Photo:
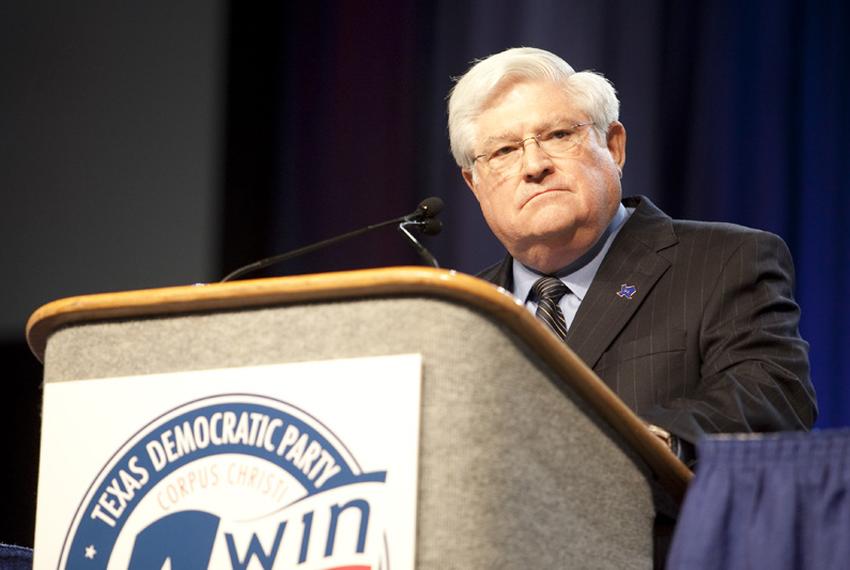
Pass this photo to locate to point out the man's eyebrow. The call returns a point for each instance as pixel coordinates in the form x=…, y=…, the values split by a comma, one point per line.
x=504, y=136
x=508, y=136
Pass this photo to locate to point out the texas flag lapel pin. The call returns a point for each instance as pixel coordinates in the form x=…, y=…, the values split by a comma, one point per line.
x=626, y=291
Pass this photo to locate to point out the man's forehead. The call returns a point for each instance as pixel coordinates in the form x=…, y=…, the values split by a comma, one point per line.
x=526, y=104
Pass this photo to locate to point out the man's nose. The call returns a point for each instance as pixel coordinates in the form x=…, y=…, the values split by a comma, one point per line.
x=537, y=165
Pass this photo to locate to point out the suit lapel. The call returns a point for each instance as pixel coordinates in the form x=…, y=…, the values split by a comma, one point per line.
x=633, y=261
x=501, y=274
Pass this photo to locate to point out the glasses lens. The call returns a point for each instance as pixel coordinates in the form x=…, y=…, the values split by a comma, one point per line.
x=558, y=142
x=505, y=158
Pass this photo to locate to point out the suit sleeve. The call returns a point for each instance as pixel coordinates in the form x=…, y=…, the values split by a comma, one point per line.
x=754, y=370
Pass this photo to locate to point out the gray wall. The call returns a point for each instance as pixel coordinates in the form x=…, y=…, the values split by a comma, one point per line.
x=110, y=144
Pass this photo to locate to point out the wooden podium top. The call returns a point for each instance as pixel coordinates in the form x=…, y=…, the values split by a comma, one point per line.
x=396, y=281
x=236, y=295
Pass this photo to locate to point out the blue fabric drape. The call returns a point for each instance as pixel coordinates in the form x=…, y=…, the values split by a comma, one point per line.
x=821, y=226
x=14, y=557
x=773, y=502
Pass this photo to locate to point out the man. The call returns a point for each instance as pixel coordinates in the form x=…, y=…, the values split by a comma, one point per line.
x=692, y=324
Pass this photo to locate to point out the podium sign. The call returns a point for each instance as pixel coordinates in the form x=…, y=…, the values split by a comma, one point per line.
x=307, y=465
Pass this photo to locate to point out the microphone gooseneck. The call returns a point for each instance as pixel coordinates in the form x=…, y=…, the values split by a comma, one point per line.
x=422, y=218
x=428, y=226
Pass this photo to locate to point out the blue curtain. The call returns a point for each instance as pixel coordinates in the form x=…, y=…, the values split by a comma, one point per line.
x=775, y=502
x=736, y=111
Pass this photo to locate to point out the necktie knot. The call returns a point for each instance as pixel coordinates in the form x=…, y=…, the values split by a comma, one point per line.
x=549, y=291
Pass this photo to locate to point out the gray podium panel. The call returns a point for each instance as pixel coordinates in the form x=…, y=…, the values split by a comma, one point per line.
x=514, y=471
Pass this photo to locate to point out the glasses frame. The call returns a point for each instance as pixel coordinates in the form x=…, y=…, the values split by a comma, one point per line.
x=536, y=138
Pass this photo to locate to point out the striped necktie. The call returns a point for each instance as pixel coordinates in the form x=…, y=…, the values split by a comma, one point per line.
x=549, y=291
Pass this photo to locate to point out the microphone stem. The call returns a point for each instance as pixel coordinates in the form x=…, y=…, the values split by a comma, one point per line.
x=420, y=249
x=257, y=265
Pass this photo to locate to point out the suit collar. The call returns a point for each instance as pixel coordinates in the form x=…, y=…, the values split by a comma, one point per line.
x=500, y=274
x=648, y=224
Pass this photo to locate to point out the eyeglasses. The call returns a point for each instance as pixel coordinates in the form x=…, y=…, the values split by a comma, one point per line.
x=557, y=143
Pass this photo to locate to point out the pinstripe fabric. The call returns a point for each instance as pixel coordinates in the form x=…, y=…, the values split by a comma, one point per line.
x=709, y=341
x=548, y=292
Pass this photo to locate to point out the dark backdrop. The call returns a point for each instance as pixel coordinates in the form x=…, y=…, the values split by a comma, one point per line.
x=110, y=170
x=736, y=111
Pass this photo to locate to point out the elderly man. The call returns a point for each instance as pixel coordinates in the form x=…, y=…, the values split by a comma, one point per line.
x=692, y=324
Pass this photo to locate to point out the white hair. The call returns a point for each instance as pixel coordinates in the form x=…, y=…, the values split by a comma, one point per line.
x=470, y=95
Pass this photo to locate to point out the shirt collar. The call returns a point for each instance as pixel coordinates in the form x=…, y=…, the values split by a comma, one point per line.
x=579, y=274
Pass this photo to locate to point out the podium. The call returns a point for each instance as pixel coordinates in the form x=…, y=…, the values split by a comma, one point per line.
x=524, y=459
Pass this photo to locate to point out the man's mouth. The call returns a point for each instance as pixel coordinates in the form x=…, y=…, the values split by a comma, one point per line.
x=541, y=193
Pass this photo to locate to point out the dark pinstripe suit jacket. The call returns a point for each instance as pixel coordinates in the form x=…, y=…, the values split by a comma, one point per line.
x=709, y=342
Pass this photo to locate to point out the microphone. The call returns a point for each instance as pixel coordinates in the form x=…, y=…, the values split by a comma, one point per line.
x=423, y=218
x=428, y=208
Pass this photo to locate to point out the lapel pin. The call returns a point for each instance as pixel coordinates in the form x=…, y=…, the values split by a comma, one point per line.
x=626, y=291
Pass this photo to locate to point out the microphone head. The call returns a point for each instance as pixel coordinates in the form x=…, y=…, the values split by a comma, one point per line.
x=431, y=226
x=429, y=207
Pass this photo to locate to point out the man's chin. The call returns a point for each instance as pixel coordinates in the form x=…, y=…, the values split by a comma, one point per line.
x=549, y=228
x=542, y=251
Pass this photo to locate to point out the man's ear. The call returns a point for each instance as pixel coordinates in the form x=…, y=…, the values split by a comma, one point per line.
x=616, y=142
x=469, y=178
